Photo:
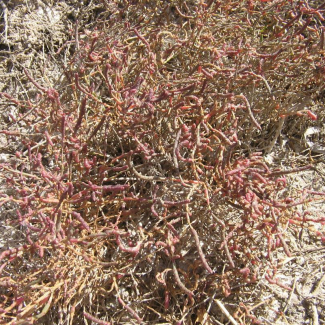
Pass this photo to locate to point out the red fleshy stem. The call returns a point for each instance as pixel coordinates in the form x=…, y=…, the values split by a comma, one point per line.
x=81, y=220
x=180, y=283
x=130, y=310
x=95, y=319
x=82, y=112
x=143, y=40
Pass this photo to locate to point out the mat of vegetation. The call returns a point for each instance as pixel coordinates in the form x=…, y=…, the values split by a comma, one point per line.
x=162, y=162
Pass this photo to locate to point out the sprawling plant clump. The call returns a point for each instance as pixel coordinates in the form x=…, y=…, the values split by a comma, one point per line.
x=139, y=183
